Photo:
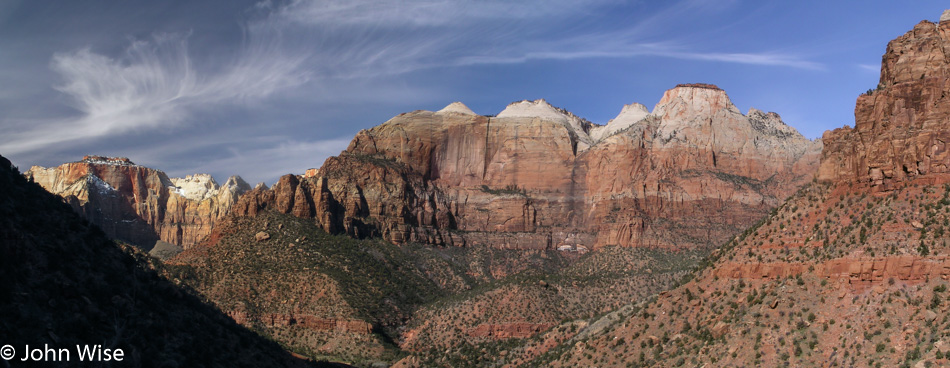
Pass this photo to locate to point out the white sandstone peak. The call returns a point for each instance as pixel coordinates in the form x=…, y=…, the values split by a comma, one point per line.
x=533, y=109
x=945, y=16
x=457, y=108
x=195, y=187
x=541, y=109
x=237, y=184
x=770, y=123
x=629, y=115
x=693, y=100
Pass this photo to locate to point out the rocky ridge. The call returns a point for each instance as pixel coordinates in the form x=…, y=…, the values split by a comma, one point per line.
x=140, y=205
x=535, y=176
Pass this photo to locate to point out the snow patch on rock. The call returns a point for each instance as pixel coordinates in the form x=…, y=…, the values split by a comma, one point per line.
x=101, y=186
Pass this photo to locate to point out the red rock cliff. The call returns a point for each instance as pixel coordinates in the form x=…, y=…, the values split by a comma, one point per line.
x=691, y=173
x=901, y=129
x=138, y=204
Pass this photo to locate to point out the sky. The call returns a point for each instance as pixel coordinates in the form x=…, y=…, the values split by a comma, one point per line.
x=266, y=88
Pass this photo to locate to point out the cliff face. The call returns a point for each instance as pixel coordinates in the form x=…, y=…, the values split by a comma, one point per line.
x=900, y=129
x=690, y=173
x=138, y=204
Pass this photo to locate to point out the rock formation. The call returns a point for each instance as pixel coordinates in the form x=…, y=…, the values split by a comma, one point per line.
x=900, y=130
x=140, y=205
x=691, y=173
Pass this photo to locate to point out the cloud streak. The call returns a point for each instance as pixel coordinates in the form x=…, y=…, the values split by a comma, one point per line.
x=373, y=38
x=153, y=84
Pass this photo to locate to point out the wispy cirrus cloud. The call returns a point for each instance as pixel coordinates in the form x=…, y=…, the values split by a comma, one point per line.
x=154, y=84
x=362, y=39
x=869, y=68
x=426, y=13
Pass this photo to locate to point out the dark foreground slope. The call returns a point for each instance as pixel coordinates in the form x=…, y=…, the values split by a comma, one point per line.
x=64, y=283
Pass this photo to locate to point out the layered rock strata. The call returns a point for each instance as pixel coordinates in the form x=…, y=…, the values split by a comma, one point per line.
x=690, y=173
x=140, y=205
x=900, y=130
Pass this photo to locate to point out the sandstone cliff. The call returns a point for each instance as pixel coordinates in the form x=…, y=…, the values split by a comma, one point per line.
x=900, y=130
x=138, y=204
x=691, y=173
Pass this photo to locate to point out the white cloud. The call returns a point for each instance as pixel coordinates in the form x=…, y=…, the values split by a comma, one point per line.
x=870, y=68
x=153, y=84
x=765, y=58
x=372, y=38
x=399, y=13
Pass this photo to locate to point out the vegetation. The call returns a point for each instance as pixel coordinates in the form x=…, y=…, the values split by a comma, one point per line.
x=65, y=284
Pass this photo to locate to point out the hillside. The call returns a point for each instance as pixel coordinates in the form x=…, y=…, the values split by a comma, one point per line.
x=65, y=284
x=850, y=271
x=331, y=296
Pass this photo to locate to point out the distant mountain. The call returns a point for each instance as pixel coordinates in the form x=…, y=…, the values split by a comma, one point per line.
x=141, y=205
x=690, y=174
x=851, y=271
x=64, y=283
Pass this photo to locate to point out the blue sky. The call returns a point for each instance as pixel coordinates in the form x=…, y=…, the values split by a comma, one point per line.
x=265, y=88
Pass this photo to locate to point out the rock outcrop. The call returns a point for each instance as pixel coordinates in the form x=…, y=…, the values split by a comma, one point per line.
x=900, y=130
x=514, y=330
x=140, y=205
x=691, y=173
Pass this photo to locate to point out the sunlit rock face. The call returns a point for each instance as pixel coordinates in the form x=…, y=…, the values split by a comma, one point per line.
x=141, y=205
x=901, y=129
x=689, y=174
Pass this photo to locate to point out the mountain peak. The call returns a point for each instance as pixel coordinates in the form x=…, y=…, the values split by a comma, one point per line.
x=770, y=123
x=457, y=108
x=629, y=115
x=541, y=109
x=692, y=100
x=534, y=109
x=699, y=85
x=106, y=160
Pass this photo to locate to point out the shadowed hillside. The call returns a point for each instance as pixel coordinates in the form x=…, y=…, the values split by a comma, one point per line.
x=65, y=284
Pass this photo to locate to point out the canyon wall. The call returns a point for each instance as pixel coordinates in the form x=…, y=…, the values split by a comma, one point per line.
x=691, y=173
x=140, y=205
